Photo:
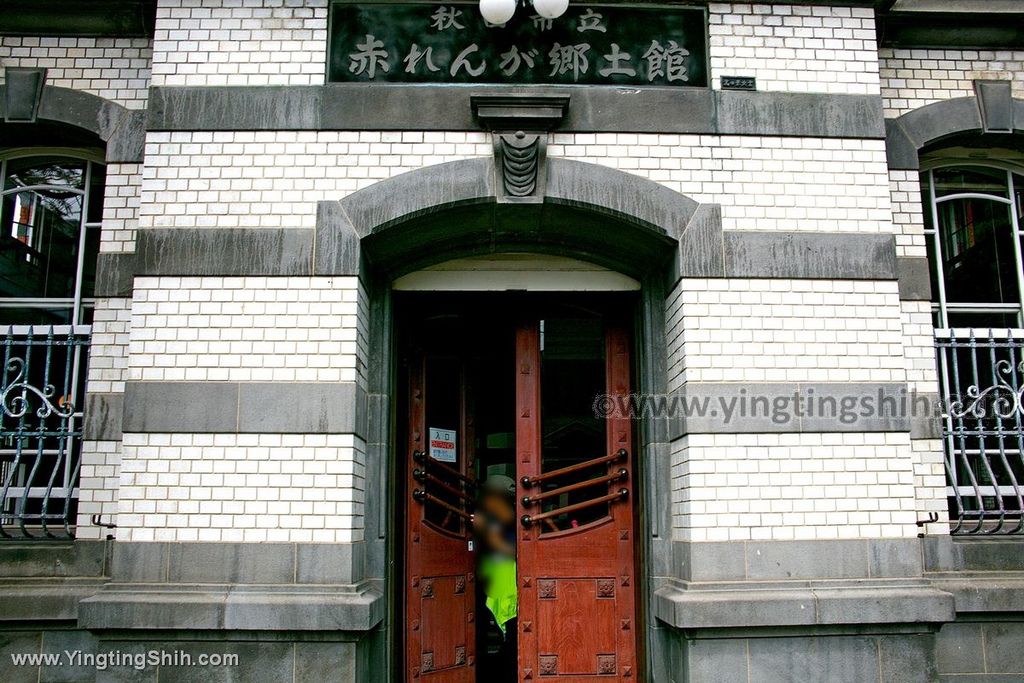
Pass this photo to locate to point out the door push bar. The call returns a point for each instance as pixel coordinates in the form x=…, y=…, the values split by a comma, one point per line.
x=425, y=478
x=422, y=496
x=621, y=475
x=421, y=457
x=621, y=494
x=544, y=476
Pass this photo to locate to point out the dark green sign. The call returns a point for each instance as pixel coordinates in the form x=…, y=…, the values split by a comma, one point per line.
x=451, y=43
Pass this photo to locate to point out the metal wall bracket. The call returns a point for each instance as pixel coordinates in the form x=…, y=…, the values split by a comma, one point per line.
x=519, y=126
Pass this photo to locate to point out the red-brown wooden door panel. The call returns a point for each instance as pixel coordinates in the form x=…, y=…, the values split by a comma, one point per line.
x=575, y=551
x=439, y=579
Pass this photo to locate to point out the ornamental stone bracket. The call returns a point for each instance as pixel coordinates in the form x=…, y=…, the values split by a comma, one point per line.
x=519, y=126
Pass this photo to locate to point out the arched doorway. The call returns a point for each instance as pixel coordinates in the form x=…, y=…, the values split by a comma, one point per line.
x=623, y=225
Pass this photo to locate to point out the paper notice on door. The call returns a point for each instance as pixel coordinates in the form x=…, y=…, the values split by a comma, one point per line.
x=442, y=444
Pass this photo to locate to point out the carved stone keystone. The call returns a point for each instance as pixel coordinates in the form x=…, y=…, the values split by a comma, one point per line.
x=519, y=126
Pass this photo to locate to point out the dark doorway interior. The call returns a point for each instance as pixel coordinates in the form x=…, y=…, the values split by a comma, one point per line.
x=458, y=373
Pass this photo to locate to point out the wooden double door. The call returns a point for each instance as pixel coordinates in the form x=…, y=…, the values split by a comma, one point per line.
x=525, y=399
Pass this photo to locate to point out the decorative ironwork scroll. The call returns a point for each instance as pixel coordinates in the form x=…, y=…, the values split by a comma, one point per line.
x=41, y=430
x=982, y=379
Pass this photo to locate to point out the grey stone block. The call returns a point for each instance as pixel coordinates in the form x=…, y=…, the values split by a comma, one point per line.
x=858, y=407
x=995, y=101
x=717, y=661
x=701, y=250
x=231, y=563
x=881, y=604
x=894, y=558
x=802, y=114
x=103, y=414
x=329, y=563
x=378, y=417
x=826, y=559
x=840, y=659
x=115, y=274
x=734, y=608
x=349, y=609
x=418, y=193
x=235, y=108
x=771, y=408
x=126, y=143
x=715, y=561
x=831, y=256
x=337, y=244
x=907, y=658
x=193, y=407
x=959, y=649
x=327, y=662
x=224, y=251
x=129, y=674
x=981, y=593
x=16, y=643
x=935, y=121
x=943, y=553
x=635, y=199
x=139, y=562
x=258, y=662
x=45, y=600
x=1004, y=647
x=130, y=608
x=900, y=151
x=302, y=408
x=914, y=278
x=60, y=642
x=22, y=92
x=58, y=559
x=357, y=106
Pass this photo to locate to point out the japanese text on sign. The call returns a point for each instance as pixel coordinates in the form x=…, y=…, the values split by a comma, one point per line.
x=451, y=43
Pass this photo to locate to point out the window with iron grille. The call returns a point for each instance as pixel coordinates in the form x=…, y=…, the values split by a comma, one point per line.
x=51, y=204
x=973, y=234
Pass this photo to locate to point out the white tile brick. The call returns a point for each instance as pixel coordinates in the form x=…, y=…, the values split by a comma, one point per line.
x=116, y=69
x=831, y=51
x=736, y=487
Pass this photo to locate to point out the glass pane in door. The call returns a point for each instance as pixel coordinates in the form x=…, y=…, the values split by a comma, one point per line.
x=572, y=376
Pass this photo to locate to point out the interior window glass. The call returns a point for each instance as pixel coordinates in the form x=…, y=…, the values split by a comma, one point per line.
x=97, y=182
x=40, y=243
x=34, y=171
x=979, y=261
x=41, y=240
x=572, y=375
x=1018, y=190
x=971, y=179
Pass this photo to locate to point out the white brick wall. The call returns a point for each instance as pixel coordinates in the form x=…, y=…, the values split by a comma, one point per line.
x=907, y=214
x=930, y=484
x=115, y=69
x=756, y=330
x=101, y=460
x=794, y=48
x=240, y=42
x=108, y=355
x=274, y=179
x=121, y=208
x=738, y=487
x=919, y=346
x=914, y=78
x=762, y=183
x=283, y=329
x=244, y=487
x=98, y=488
